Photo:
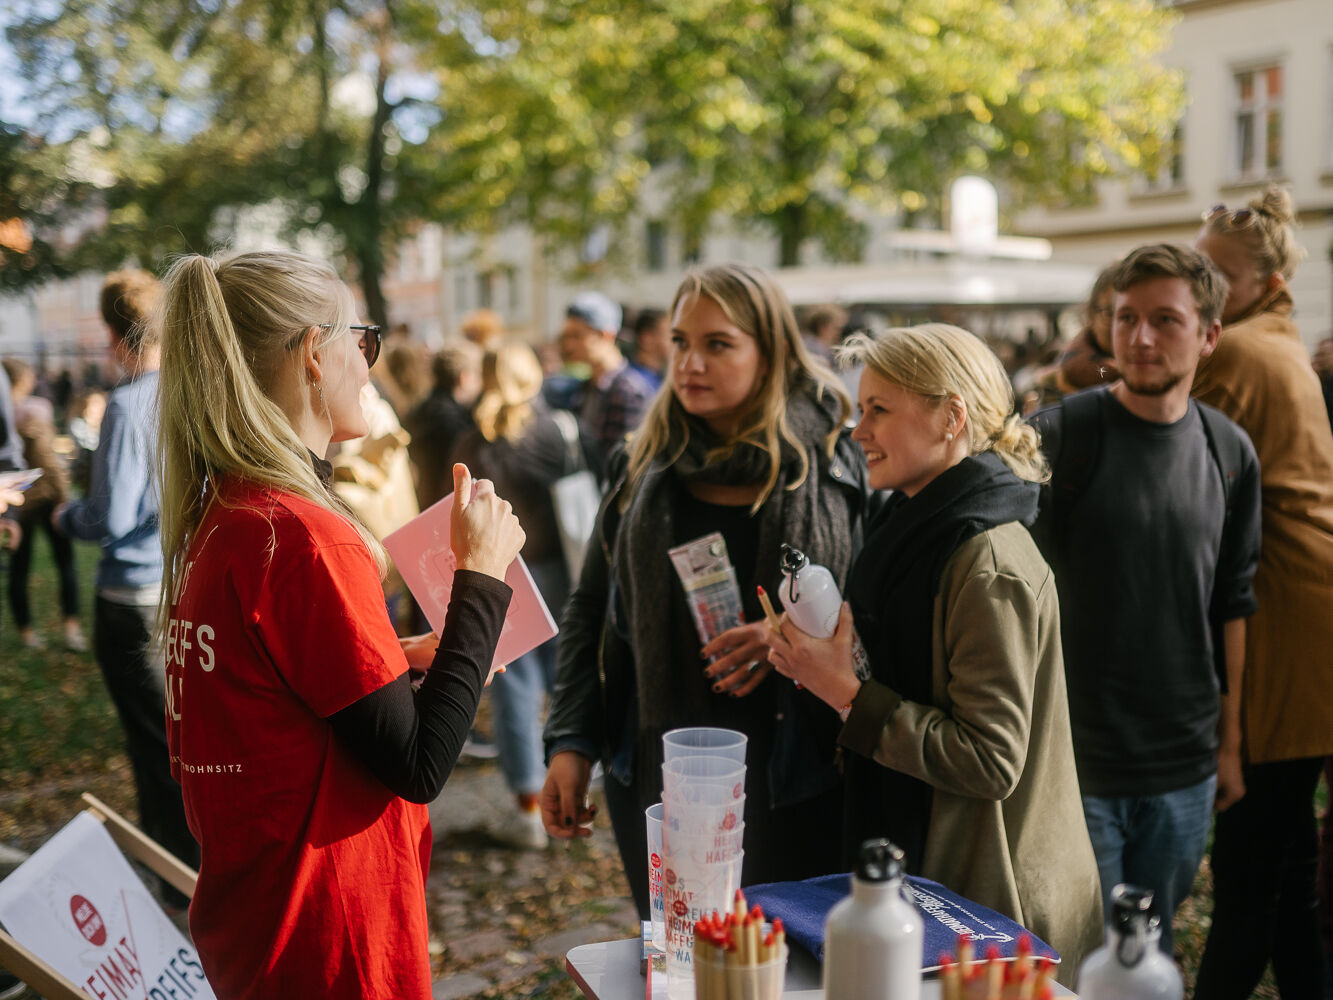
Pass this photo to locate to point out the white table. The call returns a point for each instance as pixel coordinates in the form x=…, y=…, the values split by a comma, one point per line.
x=609, y=970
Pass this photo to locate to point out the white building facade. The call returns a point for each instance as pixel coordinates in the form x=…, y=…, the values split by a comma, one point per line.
x=1259, y=80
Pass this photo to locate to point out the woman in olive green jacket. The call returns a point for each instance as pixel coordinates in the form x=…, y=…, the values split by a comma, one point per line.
x=957, y=744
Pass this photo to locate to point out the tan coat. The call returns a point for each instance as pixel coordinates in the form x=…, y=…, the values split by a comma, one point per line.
x=1006, y=825
x=1260, y=376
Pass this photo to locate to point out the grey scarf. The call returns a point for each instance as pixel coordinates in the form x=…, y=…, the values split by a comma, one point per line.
x=672, y=690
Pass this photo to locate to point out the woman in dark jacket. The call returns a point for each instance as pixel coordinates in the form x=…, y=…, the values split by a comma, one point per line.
x=747, y=440
x=518, y=444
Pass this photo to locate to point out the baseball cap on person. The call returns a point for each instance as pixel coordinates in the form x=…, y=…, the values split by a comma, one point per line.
x=596, y=310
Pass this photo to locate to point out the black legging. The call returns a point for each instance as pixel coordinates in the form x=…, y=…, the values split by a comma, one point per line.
x=20, y=561
x=1265, y=900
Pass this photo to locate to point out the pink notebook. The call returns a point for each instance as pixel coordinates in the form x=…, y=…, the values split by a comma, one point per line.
x=420, y=549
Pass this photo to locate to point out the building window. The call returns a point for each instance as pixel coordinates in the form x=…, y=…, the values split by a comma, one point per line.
x=655, y=245
x=1257, y=135
x=486, y=289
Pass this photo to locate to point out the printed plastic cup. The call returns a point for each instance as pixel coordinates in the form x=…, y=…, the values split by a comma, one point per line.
x=705, y=794
x=704, y=846
x=683, y=775
x=714, y=979
x=703, y=817
x=689, y=892
x=653, y=816
x=708, y=741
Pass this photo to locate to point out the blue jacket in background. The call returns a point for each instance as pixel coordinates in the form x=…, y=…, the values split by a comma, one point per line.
x=121, y=509
x=11, y=445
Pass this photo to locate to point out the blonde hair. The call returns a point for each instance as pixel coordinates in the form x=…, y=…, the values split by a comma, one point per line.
x=511, y=377
x=752, y=300
x=229, y=328
x=1267, y=231
x=938, y=361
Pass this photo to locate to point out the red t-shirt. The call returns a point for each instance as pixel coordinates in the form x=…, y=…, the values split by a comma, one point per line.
x=312, y=878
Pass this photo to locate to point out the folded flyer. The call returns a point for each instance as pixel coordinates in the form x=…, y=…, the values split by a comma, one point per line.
x=421, y=551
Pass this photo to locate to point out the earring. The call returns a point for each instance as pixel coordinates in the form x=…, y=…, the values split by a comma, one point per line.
x=319, y=389
x=949, y=436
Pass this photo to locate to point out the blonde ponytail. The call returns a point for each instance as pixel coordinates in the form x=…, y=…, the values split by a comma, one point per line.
x=227, y=329
x=511, y=377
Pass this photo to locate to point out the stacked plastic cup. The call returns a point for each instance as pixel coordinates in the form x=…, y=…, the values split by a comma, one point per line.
x=702, y=828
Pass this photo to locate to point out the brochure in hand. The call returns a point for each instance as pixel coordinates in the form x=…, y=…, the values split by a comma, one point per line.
x=421, y=551
x=804, y=907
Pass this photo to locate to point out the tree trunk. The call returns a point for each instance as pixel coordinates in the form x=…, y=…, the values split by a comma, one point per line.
x=791, y=234
x=370, y=237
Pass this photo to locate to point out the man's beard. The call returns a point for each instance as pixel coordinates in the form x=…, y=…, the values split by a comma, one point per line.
x=1152, y=387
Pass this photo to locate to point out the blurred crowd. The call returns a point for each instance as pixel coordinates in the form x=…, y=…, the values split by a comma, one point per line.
x=657, y=421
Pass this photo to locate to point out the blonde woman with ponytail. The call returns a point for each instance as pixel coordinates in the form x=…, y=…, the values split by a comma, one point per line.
x=303, y=752
x=1264, y=855
x=957, y=745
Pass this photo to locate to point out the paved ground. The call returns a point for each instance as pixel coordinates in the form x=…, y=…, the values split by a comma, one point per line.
x=502, y=919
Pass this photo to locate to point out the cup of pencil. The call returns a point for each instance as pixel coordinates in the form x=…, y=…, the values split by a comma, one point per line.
x=739, y=956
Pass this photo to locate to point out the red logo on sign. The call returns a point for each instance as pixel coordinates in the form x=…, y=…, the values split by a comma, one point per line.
x=655, y=860
x=679, y=908
x=670, y=877
x=87, y=920
x=729, y=822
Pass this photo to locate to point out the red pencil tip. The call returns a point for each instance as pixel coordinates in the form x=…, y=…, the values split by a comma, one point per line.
x=762, y=592
x=992, y=953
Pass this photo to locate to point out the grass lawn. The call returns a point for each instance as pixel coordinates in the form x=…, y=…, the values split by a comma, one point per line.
x=61, y=733
x=62, y=737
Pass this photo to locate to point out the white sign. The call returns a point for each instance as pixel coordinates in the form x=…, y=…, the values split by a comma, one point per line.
x=974, y=213
x=78, y=905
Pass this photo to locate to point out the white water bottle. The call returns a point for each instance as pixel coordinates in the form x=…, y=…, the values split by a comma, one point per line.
x=1130, y=966
x=811, y=599
x=873, y=938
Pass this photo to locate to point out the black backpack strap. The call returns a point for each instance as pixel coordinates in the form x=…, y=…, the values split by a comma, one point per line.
x=1080, y=447
x=1225, y=446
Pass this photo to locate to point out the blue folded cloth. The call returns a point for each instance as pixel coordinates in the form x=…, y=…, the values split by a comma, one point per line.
x=803, y=909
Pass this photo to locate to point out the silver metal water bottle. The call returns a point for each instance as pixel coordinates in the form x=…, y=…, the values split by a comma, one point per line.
x=873, y=938
x=1130, y=966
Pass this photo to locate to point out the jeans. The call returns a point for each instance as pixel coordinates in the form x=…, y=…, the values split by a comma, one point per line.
x=517, y=694
x=1153, y=841
x=134, y=669
x=1265, y=898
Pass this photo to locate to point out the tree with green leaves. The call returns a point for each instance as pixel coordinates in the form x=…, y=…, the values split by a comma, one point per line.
x=156, y=121
x=169, y=118
x=788, y=114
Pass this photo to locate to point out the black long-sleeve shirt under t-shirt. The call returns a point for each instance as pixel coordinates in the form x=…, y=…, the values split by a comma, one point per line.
x=410, y=740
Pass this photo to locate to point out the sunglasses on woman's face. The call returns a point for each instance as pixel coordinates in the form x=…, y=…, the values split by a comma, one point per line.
x=1235, y=219
x=371, y=339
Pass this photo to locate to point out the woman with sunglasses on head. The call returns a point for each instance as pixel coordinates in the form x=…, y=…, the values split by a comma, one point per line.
x=1264, y=847
x=745, y=439
x=303, y=752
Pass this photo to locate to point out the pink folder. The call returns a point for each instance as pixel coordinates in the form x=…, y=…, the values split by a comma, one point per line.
x=420, y=549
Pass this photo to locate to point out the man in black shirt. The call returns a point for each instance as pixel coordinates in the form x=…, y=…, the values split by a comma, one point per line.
x=1151, y=521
